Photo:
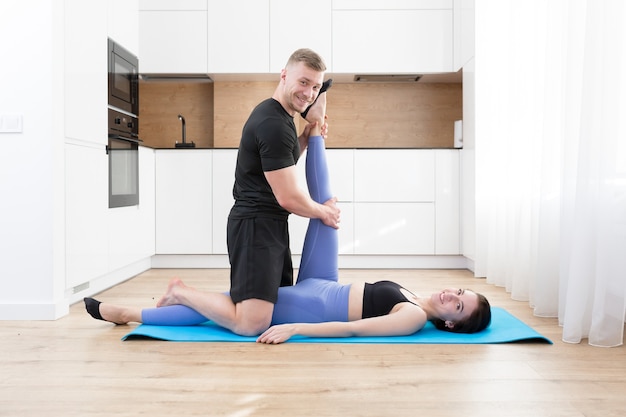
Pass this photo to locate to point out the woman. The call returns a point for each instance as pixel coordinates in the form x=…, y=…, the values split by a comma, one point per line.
x=318, y=306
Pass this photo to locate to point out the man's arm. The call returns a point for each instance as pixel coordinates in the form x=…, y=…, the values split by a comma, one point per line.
x=291, y=197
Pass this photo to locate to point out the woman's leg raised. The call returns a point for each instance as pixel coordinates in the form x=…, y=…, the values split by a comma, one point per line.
x=321, y=245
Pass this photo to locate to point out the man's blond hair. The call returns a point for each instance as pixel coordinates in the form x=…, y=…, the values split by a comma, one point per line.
x=310, y=58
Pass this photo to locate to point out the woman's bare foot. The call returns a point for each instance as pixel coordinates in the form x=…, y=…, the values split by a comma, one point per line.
x=172, y=294
x=112, y=313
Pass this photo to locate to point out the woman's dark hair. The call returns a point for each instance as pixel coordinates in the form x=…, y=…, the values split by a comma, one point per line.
x=476, y=322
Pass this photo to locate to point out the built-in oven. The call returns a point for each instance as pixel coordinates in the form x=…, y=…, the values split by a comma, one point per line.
x=123, y=151
x=123, y=108
x=123, y=78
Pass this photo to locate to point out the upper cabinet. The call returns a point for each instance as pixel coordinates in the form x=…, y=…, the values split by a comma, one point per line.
x=85, y=72
x=173, y=36
x=310, y=22
x=238, y=33
x=124, y=27
x=392, y=36
x=257, y=36
x=464, y=29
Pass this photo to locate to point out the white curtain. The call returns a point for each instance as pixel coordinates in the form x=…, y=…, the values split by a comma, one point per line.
x=550, y=159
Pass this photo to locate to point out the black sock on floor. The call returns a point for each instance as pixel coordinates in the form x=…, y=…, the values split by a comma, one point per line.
x=93, y=308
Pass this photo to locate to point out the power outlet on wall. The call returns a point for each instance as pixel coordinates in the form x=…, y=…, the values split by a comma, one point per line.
x=10, y=123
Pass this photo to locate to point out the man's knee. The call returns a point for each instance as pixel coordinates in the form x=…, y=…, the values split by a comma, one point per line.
x=249, y=328
x=253, y=317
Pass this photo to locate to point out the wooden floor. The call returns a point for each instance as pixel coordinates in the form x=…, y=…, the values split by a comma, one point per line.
x=77, y=366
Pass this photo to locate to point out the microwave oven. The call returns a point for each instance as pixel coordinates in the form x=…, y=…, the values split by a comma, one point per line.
x=123, y=79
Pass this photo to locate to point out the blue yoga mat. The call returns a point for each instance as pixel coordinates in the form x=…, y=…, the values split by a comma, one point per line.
x=504, y=328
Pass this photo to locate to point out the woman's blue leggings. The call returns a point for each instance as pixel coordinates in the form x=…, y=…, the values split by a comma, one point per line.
x=316, y=296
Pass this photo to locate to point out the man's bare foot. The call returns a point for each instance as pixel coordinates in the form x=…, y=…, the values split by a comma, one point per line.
x=171, y=296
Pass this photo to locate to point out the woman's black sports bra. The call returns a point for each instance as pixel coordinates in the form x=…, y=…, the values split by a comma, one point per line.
x=380, y=297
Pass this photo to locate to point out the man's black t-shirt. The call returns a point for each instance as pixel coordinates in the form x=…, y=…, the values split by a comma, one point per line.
x=269, y=142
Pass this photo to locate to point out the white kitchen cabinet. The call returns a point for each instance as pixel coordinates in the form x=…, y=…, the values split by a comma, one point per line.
x=393, y=201
x=100, y=240
x=447, y=206
x=391, y=4
x=464, y=32
x=123, y=28
x=183, y=201
x=406, y=202
x=258, y=36
x=87, y=26
x=394, y=175
x=173, y=41
x=131, y=229
x=86, y=207
x=164, y=5
x=341, y=169
x=224, y=161
x=392, y=41
x=312, y=23
x=394, y=36
x=238, y=36
x=85, y=68
x=394, y=228
x=394, y=208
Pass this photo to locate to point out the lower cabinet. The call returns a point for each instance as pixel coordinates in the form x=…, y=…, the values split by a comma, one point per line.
x=100, y=240
x=224, y=161
x=86, y=206
x=183, y=199
x=131, y=229
x=393, y=202
x=394, y=228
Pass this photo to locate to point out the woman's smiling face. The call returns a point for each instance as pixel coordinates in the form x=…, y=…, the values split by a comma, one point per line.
x=454, y=304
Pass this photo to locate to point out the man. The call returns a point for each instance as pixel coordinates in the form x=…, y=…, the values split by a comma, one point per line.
x=266, y=191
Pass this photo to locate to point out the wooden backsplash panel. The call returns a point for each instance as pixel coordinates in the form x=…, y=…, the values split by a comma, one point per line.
x=160, y=103
x=394, y=115
x=376, y=115
x=233, y=103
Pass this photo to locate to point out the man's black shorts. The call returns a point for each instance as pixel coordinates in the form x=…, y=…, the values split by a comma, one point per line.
x=260, y=258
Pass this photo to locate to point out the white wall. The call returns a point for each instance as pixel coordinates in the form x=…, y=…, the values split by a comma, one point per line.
x=31, y=162
x=467, y=11
x=468, y=166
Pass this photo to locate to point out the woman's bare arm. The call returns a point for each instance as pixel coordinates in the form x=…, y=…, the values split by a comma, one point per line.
x=407, y=319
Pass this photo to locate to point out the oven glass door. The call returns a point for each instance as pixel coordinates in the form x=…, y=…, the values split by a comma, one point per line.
x=123, y=173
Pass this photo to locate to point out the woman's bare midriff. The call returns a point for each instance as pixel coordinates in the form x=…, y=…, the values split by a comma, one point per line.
x=355, y=302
